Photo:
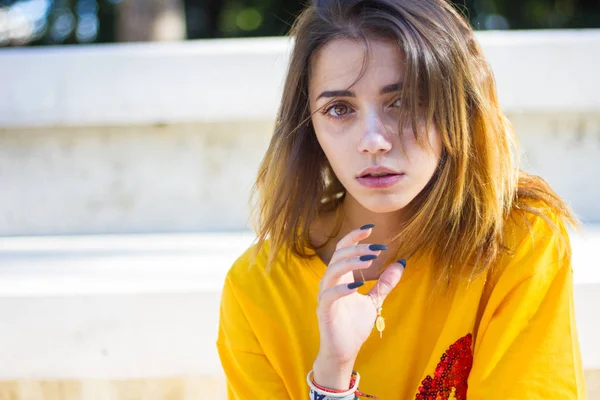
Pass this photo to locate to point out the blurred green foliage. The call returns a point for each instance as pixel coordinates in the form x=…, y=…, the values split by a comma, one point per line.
x=84, y=21
x=273, y=17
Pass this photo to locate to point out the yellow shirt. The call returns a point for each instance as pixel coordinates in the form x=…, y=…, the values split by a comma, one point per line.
x=508, y=335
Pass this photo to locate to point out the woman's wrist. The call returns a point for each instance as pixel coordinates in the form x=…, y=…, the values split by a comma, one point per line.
x=332, y=374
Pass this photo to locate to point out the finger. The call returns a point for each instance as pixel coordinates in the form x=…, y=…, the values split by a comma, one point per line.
x=335, y=272
x=357, y=250
x=388, y=280
x=329, y=296
x=355, y=236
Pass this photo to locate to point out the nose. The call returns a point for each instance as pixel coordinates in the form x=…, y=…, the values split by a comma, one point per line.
x=374, y=138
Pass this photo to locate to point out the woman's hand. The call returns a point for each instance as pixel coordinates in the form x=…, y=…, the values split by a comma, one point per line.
x=346, y=317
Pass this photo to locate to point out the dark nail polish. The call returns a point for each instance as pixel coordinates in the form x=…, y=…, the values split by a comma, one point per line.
x=367, y=226
x=375, y=247
x=354, y=285
x=402, y=262
x=367, y=257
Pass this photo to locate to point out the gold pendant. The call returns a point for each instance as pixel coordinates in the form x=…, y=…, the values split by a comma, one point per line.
x=380, y=323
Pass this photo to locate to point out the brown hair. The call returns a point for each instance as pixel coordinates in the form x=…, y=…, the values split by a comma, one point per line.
x=459, y=217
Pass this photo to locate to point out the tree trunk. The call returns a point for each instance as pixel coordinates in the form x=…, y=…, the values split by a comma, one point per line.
x=150, y=20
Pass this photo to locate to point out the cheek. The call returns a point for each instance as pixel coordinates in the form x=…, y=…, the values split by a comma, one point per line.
x=333, y=153
x=335, y=144
x=436, y=143
x=424, y=157
x=323, y=139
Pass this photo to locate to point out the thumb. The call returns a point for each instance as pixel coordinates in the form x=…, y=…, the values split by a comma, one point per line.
x=388, y=280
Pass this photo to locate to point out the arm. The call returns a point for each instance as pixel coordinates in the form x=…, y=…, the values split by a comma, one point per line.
x=526, y=345
x=249, y=373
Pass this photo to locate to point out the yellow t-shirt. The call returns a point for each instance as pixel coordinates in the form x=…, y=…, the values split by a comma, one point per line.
x=508, y=335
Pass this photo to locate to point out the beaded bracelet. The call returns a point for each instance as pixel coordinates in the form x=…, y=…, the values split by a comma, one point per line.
x=318, y=392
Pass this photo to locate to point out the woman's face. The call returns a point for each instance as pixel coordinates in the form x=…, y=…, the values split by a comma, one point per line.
x=358, y=131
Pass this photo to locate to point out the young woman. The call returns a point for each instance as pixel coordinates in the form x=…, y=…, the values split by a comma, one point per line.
x=401, y=253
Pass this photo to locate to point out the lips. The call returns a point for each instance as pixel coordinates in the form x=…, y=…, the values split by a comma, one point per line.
x=377, y=171
x=379, y=177
x=376, y=175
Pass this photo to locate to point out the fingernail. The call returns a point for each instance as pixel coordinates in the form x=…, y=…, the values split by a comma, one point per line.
x=354, y=285
x=367, y=226
x=377, y=247
x=402, y=262
x=367, y=257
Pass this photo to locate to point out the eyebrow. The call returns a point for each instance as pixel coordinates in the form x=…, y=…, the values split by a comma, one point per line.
x=395, y=87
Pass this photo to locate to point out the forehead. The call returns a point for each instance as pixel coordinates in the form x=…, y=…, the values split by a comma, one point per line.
x=338, y=64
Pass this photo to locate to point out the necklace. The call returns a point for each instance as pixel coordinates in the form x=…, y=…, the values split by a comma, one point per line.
x=379, y=321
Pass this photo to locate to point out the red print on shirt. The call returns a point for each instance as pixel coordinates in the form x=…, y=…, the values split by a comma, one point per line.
x=451, y=374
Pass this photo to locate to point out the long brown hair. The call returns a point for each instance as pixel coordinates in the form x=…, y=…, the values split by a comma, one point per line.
x=460, y=216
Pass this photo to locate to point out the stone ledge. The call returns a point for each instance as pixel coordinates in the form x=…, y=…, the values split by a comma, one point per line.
x=164, y=263
x=159, y=83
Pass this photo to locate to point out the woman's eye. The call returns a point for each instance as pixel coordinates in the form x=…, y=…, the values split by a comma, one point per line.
x=338, y=110
x=397, y=103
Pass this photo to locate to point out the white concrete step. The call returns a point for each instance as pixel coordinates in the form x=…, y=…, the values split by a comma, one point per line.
x=117, y=264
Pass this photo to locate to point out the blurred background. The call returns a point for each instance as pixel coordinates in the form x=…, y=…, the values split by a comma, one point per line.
x=44, y=22
x=130, y=136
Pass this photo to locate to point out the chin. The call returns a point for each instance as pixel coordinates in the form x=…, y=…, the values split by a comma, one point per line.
x=383, y=204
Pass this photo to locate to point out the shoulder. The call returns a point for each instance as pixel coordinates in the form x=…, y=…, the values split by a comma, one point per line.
x=258, y=298
x=252, y=275
x=536, y=243
x=533, y=226
x=250, y=267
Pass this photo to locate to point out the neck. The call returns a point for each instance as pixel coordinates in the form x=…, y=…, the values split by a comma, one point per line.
x=355, y=215
x=386, y=224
